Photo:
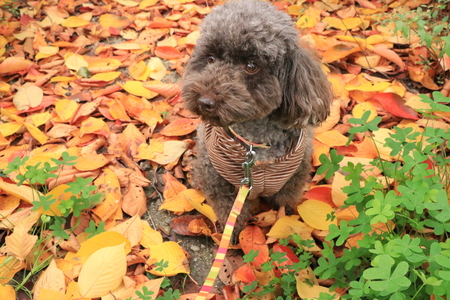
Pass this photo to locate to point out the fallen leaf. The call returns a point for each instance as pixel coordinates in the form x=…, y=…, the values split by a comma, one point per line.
x=27, y=97
x=102, y=272
x=173, y=254
x=315, y=213
x=252, y=238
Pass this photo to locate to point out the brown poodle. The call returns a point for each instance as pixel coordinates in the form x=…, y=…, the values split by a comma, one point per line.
x=254, y=87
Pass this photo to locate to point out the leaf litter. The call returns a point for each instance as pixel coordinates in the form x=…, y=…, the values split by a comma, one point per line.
x=101, y=81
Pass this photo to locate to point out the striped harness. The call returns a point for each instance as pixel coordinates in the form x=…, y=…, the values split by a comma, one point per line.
x=227, y=156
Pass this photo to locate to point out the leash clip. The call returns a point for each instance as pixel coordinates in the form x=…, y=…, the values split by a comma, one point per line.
x=249, y=162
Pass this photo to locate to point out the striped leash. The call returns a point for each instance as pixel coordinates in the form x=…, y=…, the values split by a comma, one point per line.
x=246, y=186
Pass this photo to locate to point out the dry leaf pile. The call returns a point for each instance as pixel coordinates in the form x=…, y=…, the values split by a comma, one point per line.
x=99, y=80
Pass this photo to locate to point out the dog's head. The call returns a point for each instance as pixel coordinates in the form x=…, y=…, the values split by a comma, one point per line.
x=248, y=65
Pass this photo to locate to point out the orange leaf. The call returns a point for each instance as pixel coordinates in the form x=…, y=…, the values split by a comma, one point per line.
x=244, y=274
x=131, y=139
x=172, y=186
x=66, y=109
x=12, y=65
x=332, y=138
x=74, y=21
x=139, y=70
x=167, y=90
x=180, y=127
x=108, y=184
x=168, y=52
x=339, y=51
x=252, y=238
x=51, y=279
x=89, y=162
x=57, y=194
x=150, y=236
x=180, y=203
x=381, y=50
x=114, y=21
x=95, y=126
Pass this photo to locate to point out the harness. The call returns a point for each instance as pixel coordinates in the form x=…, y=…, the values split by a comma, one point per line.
x=227, y=153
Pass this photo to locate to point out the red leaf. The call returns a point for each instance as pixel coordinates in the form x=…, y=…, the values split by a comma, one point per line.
x=252, y=238
x=321, y=193
x=289, y=255
x=395, y=104
x=168, y=52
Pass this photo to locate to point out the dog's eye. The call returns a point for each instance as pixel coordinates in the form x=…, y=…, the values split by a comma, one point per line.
x=210, y=59
x=251, y=68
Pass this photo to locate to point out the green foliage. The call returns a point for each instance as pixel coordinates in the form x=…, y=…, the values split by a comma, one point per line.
x=37, y=175
x=408, y=256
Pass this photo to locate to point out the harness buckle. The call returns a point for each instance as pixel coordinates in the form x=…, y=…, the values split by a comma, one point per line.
x=250, y=158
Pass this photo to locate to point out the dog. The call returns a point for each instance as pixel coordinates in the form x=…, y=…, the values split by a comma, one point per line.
x=257, y=91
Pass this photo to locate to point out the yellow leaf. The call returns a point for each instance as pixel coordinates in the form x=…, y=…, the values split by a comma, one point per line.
x=172, y=151
x=102, y=240
x=51, y=279
x=41, y=119
x=150, y=236
x=46, y=51
x=45, y=294
x=151, y=285
x=139, y=71
x=337, y=195
x=192, y=37
x=27, y=97
x=101, y=65
x=147, y=3
x=102, y=272
x=57, y=194
x=74, y=21
x=196, y=199
x=368, y=87
x=173, y=254
x=66, y=109
x=362, y=107
x=288, y=225
x=130, y=3
x=157, y=68
x=23, y=192
x=75, y=61
x=108, y=76
x=36, y=133
x=7, y=292
x=307, y=291
x=9, y=266
x=315, y=212
x=136, y=88
x=379, y=137
x=7, y=129
x=20, y=242
x=131, y=229
x=179, y=202
x=343, y=24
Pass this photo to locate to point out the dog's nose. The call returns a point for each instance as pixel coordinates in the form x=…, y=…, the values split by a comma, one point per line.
x=207, y=103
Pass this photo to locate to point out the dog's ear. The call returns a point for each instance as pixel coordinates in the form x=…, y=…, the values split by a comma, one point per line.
x=307, y=94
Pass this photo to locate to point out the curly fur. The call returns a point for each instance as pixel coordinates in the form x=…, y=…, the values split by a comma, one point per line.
x=288, y=93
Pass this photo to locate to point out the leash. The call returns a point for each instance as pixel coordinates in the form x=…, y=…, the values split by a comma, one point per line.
x=246, y=186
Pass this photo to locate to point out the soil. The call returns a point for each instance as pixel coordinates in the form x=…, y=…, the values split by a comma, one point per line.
x=201, y=249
